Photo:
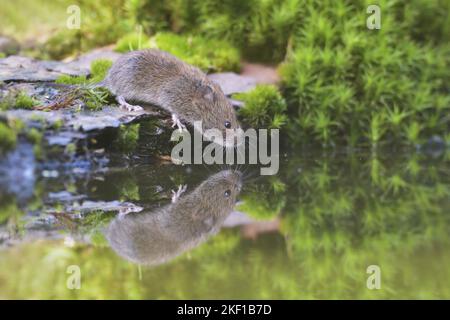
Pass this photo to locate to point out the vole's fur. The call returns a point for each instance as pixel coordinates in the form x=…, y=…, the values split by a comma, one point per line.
x=156, y=77
x=151, y=238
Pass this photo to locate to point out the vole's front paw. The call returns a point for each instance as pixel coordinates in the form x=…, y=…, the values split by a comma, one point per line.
x=176, y=122
x=176, y=194
x=129, y=107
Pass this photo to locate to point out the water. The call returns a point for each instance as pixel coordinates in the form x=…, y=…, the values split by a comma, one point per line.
x=309, y=232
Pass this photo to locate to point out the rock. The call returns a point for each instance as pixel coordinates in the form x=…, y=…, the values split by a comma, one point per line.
x=231, y=82
x=8, y=46
x=84, y=61
x=261, y=73
x=16, y=68
x=108, y=117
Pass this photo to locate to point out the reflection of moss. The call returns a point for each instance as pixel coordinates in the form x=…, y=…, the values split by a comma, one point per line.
x=8, y=138
x=264, y=201
x=34, y=135
x=264, y=107
x=129, y=189
x=127, y=137
x=9, y=209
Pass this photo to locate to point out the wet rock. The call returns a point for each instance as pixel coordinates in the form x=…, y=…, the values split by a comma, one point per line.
x=108, y=117
x=17, y=172
x=8, y=46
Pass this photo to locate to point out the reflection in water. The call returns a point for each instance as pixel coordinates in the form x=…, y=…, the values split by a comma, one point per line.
x=339, y=213
x=157, y=236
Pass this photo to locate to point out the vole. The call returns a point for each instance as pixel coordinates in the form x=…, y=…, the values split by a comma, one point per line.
x=155, y=237
x=156, y=77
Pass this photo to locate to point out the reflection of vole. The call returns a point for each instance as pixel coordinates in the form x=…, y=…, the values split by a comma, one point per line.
x=158, y=236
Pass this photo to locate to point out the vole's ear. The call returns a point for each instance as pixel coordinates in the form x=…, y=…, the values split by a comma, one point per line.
x=207, y=92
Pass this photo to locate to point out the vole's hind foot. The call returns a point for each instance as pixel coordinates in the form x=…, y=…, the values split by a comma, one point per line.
x=176, y=194
x=176, y=122
x=129, y=107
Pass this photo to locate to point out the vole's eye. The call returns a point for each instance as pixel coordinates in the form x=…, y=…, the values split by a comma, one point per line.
x=228, y=124
x=227, y=193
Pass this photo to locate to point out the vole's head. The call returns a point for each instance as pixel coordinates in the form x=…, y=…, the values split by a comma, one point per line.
x=223, y=188
x=217, y=113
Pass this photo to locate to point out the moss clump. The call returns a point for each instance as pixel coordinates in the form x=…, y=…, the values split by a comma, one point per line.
x=8, y=138
x=132, y=41
x=24, y=101
x=207, y=54
x=99, y=69
x=92, y=96
x=264, y=107
x=18, y=100
x=70, y=80
x=349, y=85
x=127, y=137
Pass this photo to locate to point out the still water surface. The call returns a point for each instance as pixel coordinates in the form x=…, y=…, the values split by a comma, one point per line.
x=309, y=232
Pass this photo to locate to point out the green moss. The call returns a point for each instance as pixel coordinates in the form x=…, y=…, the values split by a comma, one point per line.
x=264, y=107
x=348, y=85
x=99, y=69
x=17, y=100
x=132, y=41
x=207, y=54
x=71, y=80
x=24, y=101
x=8, y=138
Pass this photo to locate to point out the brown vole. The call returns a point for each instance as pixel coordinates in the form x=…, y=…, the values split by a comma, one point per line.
x=156, y=77
x=155, y=237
